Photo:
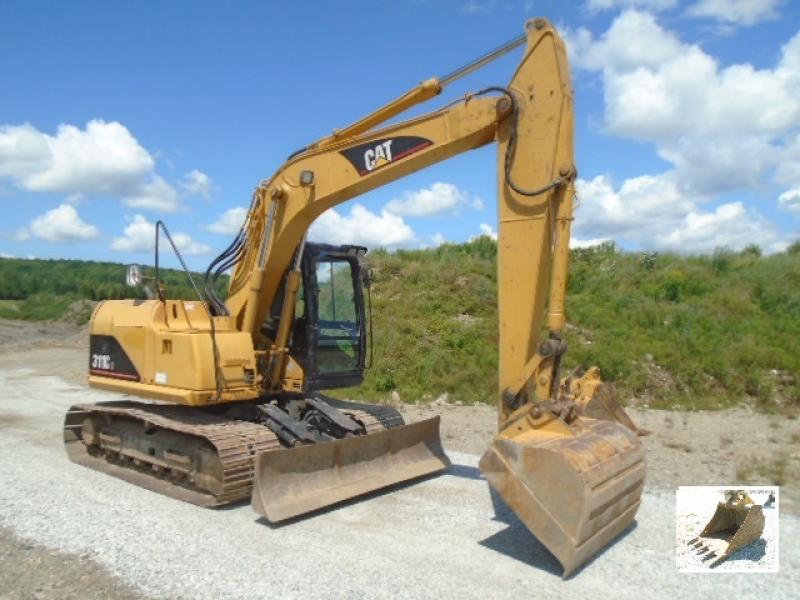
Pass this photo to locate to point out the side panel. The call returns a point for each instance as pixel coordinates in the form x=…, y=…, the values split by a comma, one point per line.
x=165, y=351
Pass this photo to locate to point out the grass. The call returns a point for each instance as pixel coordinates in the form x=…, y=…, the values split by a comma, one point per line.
x=9, y=309
x=37, y=307
x=702, y=332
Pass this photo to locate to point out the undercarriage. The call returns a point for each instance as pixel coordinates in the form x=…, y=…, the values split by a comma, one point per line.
x=207, y=456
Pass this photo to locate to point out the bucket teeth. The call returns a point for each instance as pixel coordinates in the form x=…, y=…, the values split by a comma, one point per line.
x=709, y=556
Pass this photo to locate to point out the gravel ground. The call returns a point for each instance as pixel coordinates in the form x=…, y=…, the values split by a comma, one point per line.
x=441, y=538
x=694, y=508
x=33, y=571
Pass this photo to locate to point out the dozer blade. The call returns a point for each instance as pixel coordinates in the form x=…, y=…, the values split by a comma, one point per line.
x=576, y=486
x=299, y=480
x=738, y=522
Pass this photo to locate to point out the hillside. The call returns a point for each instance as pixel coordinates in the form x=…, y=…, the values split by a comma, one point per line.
x=706, y=331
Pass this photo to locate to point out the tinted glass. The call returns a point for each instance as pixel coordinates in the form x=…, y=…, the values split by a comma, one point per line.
x=339, y=343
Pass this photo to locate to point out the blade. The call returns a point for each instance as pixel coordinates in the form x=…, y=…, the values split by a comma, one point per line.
x=575, y=487
x=292, y=482
x=603, y=404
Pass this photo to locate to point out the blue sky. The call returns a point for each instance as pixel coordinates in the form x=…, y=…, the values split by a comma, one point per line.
x=116, y=114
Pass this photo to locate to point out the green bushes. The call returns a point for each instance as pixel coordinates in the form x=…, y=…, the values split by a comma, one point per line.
x=673, y=331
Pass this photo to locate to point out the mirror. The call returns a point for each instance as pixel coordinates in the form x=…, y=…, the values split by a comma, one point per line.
x=134, y=276
x=366, y=278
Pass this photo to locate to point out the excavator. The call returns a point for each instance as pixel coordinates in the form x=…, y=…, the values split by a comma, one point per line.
x=230, y=393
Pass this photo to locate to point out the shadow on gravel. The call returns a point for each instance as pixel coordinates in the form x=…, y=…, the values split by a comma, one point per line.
x=464, y=471
x=751, y=553
x=517, y=542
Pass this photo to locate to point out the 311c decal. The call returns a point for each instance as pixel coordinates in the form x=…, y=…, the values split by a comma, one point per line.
x=373, y=155
x=102, y=361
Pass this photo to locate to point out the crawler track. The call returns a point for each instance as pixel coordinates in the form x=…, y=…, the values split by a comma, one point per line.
x=183, y=452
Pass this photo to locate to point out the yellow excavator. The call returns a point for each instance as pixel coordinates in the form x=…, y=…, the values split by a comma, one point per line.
x=232, y=402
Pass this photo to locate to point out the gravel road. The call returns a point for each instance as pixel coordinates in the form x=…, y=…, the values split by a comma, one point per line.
x=440, y=538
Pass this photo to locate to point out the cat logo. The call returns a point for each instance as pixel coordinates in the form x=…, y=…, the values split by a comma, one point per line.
x=378, y=156
x=373, y=155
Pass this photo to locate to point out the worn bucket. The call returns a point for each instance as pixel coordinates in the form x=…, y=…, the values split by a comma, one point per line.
x=736, y=523
x=576, y=486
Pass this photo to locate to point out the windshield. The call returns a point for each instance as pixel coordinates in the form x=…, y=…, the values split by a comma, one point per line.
x=339, y=340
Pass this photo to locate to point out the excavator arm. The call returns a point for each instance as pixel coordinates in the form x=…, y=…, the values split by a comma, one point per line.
x=532, y=121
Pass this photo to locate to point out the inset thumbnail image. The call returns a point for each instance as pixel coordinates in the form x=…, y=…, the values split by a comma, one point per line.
x=727, y=529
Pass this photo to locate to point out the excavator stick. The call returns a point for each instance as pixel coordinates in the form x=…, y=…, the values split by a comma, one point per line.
x=737, y=522
x=303, y=479
x=575, y=485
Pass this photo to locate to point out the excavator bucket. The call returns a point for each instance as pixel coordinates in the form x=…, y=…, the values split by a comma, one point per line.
x=576, y=486
x=737, y=522
x=293, y=482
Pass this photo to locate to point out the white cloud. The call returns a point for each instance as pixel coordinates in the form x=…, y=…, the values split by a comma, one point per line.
x=437, y=199
x=486, y=230
x=739, y=12
x=730, y=225
x=363, y=227
x=139, y=236
x=437, y=239
x=102, y=159
x=598, y=5
x=197, y=183
x=477, y=203
x=651, y=212
x=702, y=117
x=155, y=194
x=62, y=225
x=579, y=243
x=790, y=200
x=6, y=255
x=229, y=222
x=642, y=207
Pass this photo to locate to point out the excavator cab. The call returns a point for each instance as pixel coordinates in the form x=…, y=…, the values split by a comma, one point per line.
x=329, y=329
x=329, y=335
